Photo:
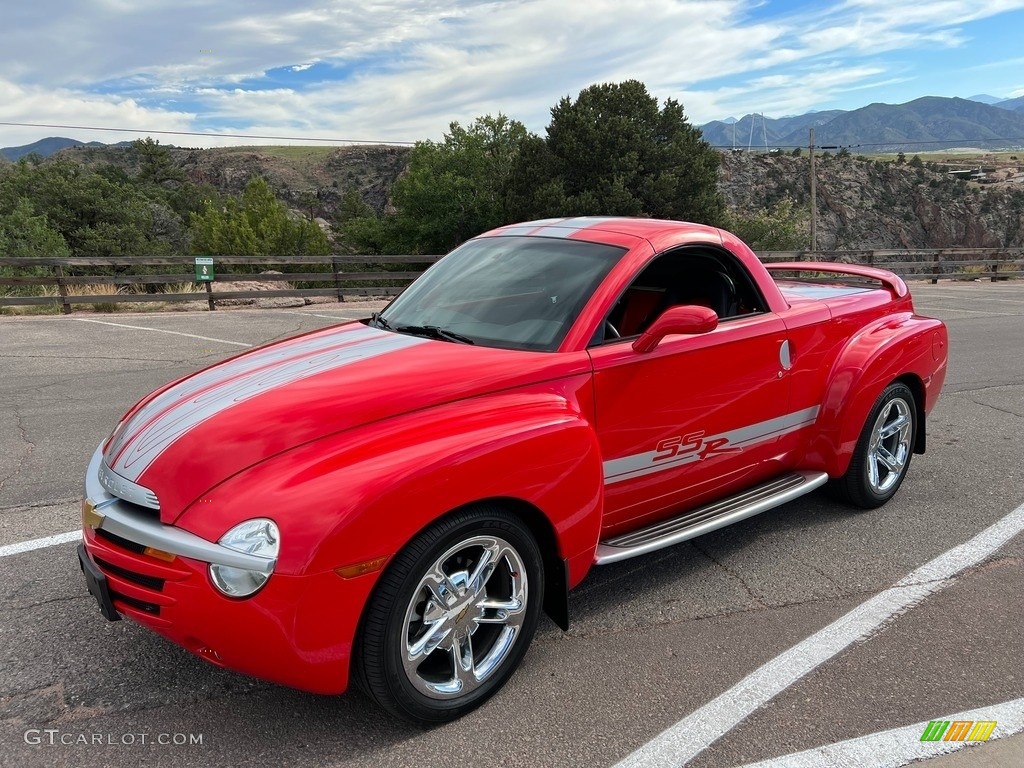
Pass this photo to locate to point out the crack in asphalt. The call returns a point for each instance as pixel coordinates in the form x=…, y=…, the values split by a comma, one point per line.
x=65, y=599
x=820, y=572
x=36, y=504
x=728, y=570
x=967, y=389
x=65, y=712
x=606, y=631
x=131, y=358
x=23, y=433
x=997, y=408
x=285, y=334
x=646, y=563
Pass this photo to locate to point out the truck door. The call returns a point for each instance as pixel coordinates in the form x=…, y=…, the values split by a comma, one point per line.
x=699, y=416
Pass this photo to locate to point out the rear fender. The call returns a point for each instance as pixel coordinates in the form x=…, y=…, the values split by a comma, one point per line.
x=899, y=346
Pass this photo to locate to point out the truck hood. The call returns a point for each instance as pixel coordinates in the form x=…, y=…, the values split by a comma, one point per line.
x=193, y=434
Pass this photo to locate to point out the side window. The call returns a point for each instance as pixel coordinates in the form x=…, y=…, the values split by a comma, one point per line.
x=704, y=276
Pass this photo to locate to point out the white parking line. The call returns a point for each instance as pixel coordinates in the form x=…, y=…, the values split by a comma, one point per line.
x=314, y=314
x=161, y=330
x=899, y=746
x=947, y=297
x=46, y=541
x=680, y=743
x=967, y=311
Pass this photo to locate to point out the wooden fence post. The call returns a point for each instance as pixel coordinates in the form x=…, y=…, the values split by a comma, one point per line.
x=209, y=296
x=337, y=281
x=935, y=267
x=62, y=289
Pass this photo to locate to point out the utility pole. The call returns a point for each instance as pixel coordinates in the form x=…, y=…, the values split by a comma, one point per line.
x=814, y=199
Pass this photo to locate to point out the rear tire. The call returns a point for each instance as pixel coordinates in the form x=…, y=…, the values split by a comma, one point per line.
x=452, y=617
x=884, y=449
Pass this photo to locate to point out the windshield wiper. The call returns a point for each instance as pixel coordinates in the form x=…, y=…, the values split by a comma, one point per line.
x=434, y=332
x=380, y=322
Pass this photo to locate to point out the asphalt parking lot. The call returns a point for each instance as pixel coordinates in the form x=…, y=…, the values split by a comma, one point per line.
x=686, y=642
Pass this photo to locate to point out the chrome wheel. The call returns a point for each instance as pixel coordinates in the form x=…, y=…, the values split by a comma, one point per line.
x=464, y=617
x=883, y=452
x=890, y=445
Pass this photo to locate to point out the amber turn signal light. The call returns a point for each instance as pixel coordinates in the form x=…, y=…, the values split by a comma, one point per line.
x=358, y=569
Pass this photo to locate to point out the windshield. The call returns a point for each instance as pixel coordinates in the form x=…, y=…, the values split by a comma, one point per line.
x=512, y=292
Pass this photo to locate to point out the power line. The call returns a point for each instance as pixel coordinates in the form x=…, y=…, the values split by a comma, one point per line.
x=411, y=143
x=199, y=133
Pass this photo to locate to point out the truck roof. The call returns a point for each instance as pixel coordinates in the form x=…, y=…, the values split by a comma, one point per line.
x=592, y=225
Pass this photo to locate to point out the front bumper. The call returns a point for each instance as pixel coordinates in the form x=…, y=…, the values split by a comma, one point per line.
x=297, y=631
x=104, y=511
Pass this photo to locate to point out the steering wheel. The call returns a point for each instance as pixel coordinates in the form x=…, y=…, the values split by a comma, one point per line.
x=610, y=331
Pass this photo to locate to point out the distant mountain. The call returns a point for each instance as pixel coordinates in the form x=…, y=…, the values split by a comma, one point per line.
x=50, y=145
x=1017, y=105
x=754, y=130
x=885, y=127
x=891, y=127
x=985, y=98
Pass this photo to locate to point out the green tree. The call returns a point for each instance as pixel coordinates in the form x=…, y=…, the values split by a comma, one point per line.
x=156, y=165
x=614, y=151
x=453, y=189
x=358, y=226
x=27, y=234
x=781, y=227
x=256, y=225
x=188, y=198
x=94, y=215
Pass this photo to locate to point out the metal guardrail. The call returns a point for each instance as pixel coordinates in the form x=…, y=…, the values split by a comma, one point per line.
x=919, y=264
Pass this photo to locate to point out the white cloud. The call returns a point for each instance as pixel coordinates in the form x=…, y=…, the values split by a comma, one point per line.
x=418, y=64
x=64, y=107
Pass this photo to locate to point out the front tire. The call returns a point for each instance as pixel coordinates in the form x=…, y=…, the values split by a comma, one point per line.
x=884, y=449
x=452, y=617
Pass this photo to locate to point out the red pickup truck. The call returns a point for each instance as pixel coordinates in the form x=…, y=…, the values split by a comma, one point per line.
x=395, y=500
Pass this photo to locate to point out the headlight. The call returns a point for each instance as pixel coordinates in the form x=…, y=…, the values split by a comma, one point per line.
x=255, y=537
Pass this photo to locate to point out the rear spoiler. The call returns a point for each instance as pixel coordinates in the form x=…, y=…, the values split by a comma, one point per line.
x=891, y=281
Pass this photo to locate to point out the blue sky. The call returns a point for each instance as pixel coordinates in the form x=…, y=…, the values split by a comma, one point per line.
x=402, y=70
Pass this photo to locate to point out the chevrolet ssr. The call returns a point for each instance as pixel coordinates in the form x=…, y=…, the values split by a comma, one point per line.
x=395, y=500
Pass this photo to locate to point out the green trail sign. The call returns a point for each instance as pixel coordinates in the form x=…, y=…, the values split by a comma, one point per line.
x=204, y=269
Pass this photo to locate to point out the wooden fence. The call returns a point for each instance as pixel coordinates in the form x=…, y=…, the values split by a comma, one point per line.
x=342, y=280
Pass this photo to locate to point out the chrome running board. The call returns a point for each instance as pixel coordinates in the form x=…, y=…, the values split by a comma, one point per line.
x=697, y=522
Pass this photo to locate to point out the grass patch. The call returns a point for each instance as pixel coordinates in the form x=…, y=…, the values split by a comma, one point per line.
x=101, y=289
x=32, y=309
x=282, y=151
x=95, y=289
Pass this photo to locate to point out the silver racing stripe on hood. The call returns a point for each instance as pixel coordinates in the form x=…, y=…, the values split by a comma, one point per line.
x=219, y=374
x=170, y=415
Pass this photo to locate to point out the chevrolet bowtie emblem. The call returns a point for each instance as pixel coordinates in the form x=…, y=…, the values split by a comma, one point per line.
x=90, y=517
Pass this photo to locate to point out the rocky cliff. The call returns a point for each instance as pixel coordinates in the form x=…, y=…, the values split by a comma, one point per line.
x=867, y=204
x=862, y=203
